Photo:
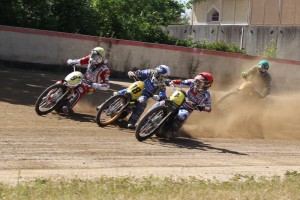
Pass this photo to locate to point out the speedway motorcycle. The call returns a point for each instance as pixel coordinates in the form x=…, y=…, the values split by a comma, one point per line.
x=57, y=95
x=160, y=118
x=119, y=106
x=245, y=94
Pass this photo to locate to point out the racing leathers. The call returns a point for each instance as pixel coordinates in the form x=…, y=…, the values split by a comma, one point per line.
x=197, y=99
x=157, y=92
x=261, y=83
x=96, y=77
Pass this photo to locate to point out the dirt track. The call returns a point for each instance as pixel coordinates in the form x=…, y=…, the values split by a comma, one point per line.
x=58, y=146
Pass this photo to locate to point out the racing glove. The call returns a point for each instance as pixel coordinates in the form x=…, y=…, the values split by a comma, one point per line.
x=244, y=74
x=167, y=82
x=176, y=82
x=156, y=97
x=73, y=62
x=200, y=108
x=131, y=74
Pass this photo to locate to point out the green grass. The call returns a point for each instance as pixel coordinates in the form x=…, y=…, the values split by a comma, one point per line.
x=239, y=187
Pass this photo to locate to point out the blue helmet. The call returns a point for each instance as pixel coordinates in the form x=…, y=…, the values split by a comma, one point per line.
x=159, y=75
x=163, y=70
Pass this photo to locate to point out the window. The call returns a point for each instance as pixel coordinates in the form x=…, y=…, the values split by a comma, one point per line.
x=215, y=17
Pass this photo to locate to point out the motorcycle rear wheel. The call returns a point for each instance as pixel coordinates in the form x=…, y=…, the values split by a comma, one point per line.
x=151, y=123
x=49, y=99
x=111, y=110
x=227, y=102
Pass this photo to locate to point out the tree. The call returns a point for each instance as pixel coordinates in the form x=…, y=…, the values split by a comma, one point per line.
x=26, y=13
x=9, y=12
x=74, y=16
x=139, y=20
x=133, y=19
x=34, y=14
x=191, y=2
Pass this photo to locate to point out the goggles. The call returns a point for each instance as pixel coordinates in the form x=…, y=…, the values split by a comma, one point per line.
x=93, y=52
x=158, y=78
x=262, y=68
x=199, y=82
x=95, y=57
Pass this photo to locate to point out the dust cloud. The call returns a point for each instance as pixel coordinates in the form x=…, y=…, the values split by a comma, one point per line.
x=274, y=117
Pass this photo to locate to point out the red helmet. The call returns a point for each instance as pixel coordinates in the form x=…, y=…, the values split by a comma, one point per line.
x=208, y=76
x=203, y=77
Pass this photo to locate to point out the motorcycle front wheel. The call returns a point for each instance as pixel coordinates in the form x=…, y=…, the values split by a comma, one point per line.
x=111, y=110
x=49, y=99
x=151, y=123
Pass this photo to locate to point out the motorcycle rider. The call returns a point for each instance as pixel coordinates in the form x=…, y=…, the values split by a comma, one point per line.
x=95, y=78
x=198, y=98
x=258, y=79
x=154, y=87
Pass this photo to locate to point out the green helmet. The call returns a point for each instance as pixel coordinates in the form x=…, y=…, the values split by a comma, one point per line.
x=263, y=66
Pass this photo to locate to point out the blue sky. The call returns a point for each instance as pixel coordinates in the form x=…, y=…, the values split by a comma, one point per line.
x=184, y=1
x=187, y=11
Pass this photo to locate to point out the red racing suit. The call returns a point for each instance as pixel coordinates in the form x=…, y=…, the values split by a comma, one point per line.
x=95, y=78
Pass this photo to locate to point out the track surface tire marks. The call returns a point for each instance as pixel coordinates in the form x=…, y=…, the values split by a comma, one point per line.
x=55, y=146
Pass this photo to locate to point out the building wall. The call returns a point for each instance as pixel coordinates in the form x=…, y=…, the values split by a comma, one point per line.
x=290, y=12
x=249, y=12
x=228, y=12
x=235, y=12
x=242, y=12
x=231, y=11
x=200, y=11
x=265, y=12
x=254, y=39
x=272, y=12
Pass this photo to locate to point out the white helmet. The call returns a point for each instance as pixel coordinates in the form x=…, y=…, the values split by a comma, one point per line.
x=160, y=74
x=96, y=57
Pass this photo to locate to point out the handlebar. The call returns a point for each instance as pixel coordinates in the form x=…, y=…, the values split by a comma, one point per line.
x=135, y=78
x=168, y=82
x=74, y=67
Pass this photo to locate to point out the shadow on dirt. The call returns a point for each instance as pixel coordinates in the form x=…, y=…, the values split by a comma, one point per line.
x=80, y=117
x=189, y=143
x=118, y=125
x=23, y=86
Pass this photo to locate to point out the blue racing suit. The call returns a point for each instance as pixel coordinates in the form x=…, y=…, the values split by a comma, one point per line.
x=149, y=90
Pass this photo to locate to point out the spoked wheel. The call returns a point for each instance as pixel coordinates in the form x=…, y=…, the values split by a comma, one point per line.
x=111, y=110
x=227, y=102
x=150, y=123
x=49, y=99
